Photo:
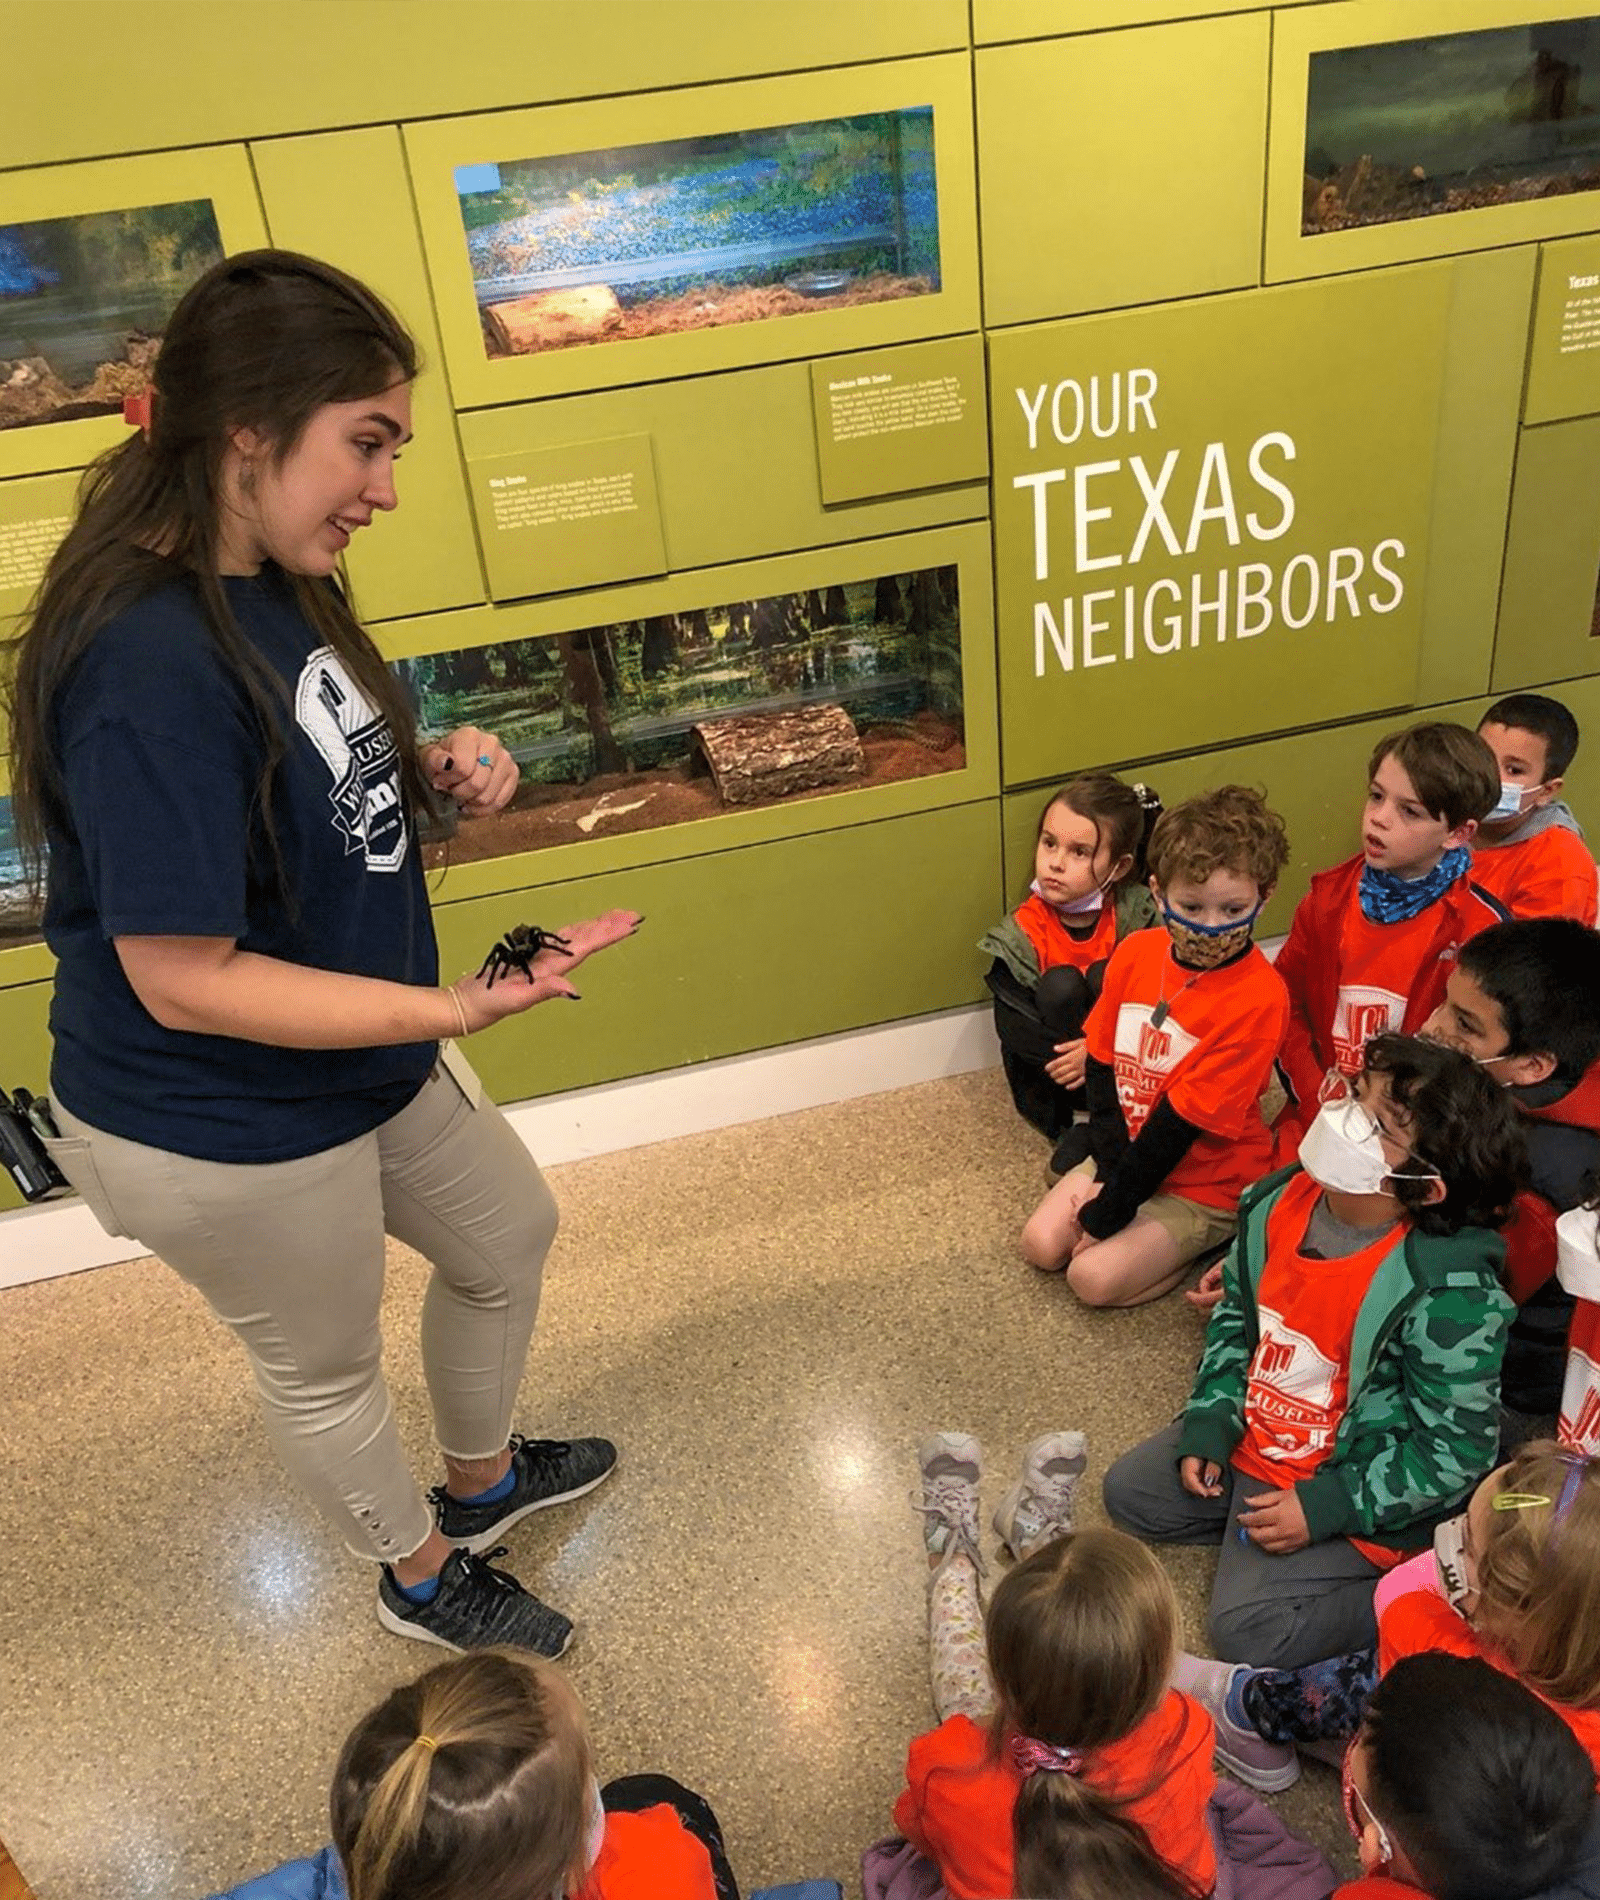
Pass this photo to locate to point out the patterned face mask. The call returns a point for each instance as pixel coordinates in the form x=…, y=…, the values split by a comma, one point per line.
x=1206, y=946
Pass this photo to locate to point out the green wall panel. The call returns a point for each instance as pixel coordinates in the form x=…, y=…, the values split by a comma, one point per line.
x=396, y=566
x=998, y=20
x=1296, y=497
x=1552, y=559
x=748, y=948
x=253, y=68
x=707, y=435
x=1089, y=207
x=1490, y=301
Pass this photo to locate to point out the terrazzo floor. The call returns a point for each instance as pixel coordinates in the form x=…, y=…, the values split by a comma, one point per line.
x=766, y=1318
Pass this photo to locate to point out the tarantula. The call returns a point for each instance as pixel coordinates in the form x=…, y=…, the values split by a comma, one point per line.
x=517, y=949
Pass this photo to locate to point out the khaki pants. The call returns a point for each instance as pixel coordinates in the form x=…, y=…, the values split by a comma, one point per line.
x=290, y=1255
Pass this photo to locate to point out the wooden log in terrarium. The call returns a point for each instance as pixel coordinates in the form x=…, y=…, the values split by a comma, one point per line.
x=771, y=755
x=551, y=319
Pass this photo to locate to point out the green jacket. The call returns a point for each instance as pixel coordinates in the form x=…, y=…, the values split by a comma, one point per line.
x=1135, y=910
x=1421, y=1423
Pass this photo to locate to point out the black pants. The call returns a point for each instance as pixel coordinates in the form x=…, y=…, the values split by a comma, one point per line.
x=1029, y=1024
x=629, y=1794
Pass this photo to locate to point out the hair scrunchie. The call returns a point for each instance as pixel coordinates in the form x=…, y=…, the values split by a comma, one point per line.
x=1035, y=1758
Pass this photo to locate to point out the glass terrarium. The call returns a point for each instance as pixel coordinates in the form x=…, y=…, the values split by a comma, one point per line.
x=735, y=705
x=694, y=233
x=84, y=301
x=1453, y=122
x=19, y=914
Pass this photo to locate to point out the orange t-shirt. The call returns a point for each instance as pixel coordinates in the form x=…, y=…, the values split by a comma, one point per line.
x=1055, y=945
x=957, y=1803
x=1299, y=1374
x=1210, y=1056
x=1550, y=874
x=649, y=1854
x=1378, y=966
x=1422, y=1620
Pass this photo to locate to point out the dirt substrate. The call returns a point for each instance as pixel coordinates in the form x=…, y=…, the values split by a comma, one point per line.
x=713, y=306
x=642, y=801
x=31, y=391
x=1369, y=194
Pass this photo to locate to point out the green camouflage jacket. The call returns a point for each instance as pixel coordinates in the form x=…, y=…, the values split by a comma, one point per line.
x=1421, y=1423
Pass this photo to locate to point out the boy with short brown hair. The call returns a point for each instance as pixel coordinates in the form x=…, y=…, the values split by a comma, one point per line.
x=1529, y=851
x=1374, y=938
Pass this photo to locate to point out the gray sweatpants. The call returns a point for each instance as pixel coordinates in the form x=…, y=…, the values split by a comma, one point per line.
x=290, y=1255
x=1276, y=1612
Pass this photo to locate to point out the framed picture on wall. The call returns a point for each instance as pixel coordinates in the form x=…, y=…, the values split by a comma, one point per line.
x=1398, y=134
x=93, y=258
x=582, y=246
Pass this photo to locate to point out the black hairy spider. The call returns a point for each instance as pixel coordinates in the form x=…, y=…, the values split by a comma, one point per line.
x=517, y=949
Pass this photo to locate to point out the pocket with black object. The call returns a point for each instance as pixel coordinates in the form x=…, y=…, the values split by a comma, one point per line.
x=24, y=1118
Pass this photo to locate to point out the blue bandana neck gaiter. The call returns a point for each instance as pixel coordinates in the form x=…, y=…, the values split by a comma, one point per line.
x=1387, y=899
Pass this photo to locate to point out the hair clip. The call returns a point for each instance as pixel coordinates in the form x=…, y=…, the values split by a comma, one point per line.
x=1043, y=1758
x=1517, y=1500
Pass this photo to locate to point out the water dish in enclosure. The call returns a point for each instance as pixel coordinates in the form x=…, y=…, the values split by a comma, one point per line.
x=83, y=303
x=692, y=234
x=681, y=716
x=1454, y=122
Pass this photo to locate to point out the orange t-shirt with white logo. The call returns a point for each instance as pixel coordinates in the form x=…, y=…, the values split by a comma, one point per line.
x=1299, y=1378
x=1378, y=964
x=1580, y=1392
x=1210, y=1056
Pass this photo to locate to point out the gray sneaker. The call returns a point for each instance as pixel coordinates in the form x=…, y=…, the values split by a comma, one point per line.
x=476, y=1607
x=1248, y=1757
x=1039, y=1505
x=951, y=1465
x=546, y=1471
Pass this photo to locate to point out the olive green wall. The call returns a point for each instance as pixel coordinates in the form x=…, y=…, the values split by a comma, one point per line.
x=1385, y=414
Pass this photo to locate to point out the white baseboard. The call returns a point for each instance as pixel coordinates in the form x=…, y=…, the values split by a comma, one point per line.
x=61, y=1237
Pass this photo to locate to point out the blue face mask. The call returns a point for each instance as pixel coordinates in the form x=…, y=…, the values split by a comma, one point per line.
x=1205, y=946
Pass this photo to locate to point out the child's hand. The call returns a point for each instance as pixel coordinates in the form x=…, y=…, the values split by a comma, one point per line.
x=1275, y=1522
x=1208, y=1293
x=1201, y=1477
x=1067, y=1065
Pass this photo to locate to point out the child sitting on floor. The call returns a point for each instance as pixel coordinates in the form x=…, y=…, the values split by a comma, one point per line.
x=1463, y=1786
x=1529, y=851
x=1374, y=938
x=1347, y=1397
x=1180, y=1047
x=1049, y=956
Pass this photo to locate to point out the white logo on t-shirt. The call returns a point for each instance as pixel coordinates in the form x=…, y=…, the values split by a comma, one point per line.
x=1362, y=1012
x=1146, y=1053
x=1580, y=1403
x=359, y=750
x=1289, y=1399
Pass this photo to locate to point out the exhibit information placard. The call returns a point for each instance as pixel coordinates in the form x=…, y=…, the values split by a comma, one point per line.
x=1564, y=368
x=550, y=520
x=892, y=421
x=34, y=516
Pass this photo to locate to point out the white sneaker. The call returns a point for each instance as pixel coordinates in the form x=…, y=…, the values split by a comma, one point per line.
x=1247, y=1756
x=1039, y=1505
x=951, y=1465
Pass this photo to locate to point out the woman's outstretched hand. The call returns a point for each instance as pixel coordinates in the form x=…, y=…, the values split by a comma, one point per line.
x=512, y=992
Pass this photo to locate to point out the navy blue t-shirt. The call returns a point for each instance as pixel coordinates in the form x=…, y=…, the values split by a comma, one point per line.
x=161, y=755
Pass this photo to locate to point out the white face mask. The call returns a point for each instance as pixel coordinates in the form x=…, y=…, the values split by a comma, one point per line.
x=1510, y=805
x=1343, y=1150
x=1578, y=1252
x=1080, y=906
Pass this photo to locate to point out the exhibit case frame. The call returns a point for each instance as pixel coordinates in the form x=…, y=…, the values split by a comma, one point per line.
x=994, y=22
x=441, y=151
x=1300, y=36
x=220, y=174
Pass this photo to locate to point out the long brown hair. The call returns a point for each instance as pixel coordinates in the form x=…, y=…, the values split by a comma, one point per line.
x=262, y=341
x=471, y=1783
x=1081, y=1638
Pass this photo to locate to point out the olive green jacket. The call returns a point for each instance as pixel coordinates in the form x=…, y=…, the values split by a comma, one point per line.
x=1011, y=944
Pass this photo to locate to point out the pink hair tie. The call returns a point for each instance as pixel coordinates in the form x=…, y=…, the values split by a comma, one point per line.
x=1035, y=1758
